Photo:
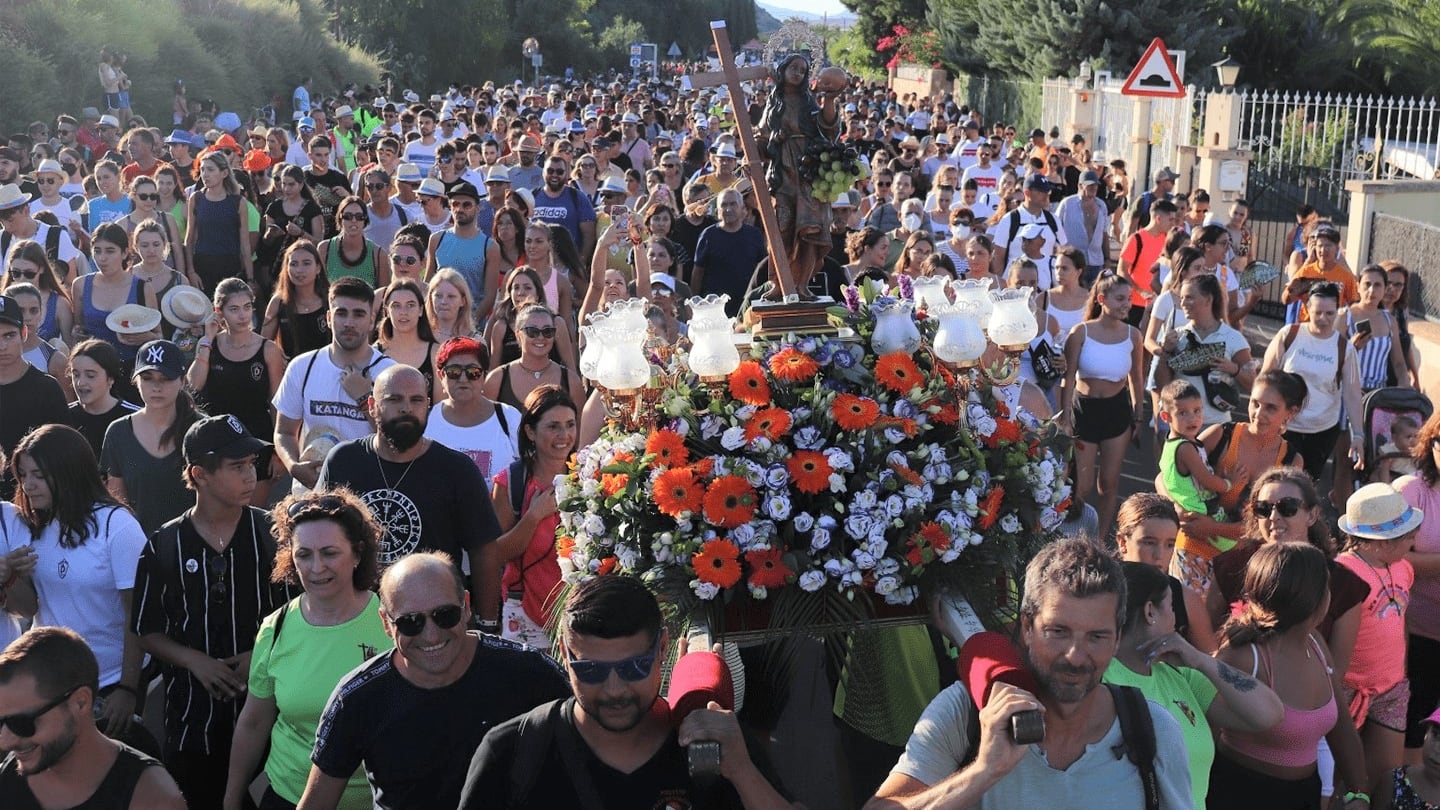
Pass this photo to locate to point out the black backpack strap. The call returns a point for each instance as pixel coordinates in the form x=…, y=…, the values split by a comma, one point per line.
x=539, y=731
x=52, y=243
x=500, y=417
x=1137, y=731
x=519, y=475
x=404, y=219
x=280, y=623
x=309, y=367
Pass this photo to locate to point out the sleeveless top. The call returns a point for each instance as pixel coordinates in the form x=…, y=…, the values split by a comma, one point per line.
x=1105, y=361
x=1067, y=318
x=507, y=394
x=115, y=792
x=1293, y=742
x=219, y=224
x=49, y=327
x=336, y=265
x=240, y=388
x=1182, y=488
x=1373, y=361
x=306, y=331
x=467, y=257
x=94, y=317
x=1227, y=458
x=510, y=347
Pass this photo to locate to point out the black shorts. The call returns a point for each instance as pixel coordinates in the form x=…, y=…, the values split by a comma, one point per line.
x=1101, y=418
x=1232, y=785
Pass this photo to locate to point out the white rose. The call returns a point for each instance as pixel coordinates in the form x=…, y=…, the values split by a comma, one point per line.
x=777, y=476
x=705, y=590
x=894, y=506
x=809, y=438
x=594, y=525
x=865, y=500
x=812, y=581
x=803, y=522
x=733, y=438
x=857, y=525
x=589, y=487
x=758, y=591
x=778, y=506
x=886, y=585
x=863, y=559
x=888, y=565
x=742, y=535
x=902, y=596
x=819, y=539
x=839, y=459
x=837, y=482
x=711, y=426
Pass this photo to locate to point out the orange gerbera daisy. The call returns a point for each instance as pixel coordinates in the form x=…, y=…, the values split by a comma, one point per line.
x=718, y=563
x=748, y=384
x=772, y=423
x=767, y=568
x=668, y=448
x=792, y=365
x=730, y=501
x=898, y=372
x=990, y=507
x=613, y=484
x=927, y=544
x=906, y=474
x=810, y=470
x=564, y=547
x=949, y=414
x=852, y=412
x=607, y=566
x=1006, y=431
x=677, y=493
x=703, y=467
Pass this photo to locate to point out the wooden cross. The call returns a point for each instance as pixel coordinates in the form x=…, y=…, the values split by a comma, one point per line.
x=700, y=81
x=779, y=259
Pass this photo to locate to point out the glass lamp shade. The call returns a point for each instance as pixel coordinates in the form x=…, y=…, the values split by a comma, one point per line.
x=930, y=293
x=895, y=329
x=976, y=290
x=712, y=347
x=623, y=365
x=958, y=339
x=708, y=308
x=594, y=346
x=1012, y=323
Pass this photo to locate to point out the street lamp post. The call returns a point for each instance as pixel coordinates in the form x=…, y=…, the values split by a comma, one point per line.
x=1227, y=71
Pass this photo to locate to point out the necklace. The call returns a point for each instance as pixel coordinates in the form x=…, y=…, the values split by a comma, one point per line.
x=1387, y=582
x=380, y=465
x=534, y=373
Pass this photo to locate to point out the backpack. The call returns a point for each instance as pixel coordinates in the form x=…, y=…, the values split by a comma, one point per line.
x=1137, y=733
x=1012, y=225
x=1294, y=329
x=52, y=242
x=537, y=736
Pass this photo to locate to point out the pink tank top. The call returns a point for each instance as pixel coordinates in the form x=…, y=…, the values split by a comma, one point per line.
x=1292, y=743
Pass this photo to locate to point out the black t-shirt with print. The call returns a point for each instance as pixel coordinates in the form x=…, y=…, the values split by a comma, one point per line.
x=438, y=502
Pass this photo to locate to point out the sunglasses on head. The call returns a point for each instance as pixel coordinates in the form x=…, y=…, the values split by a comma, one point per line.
x=633, y=669
x=324, y=503
x=413, y=624
x=23, y=725
x=532, y=332
x=1287, y=507
x=472, y=373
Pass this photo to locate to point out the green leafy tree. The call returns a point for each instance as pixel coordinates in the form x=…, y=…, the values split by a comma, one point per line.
x=1041, y=38
x=616, y=38
x=1399, y=37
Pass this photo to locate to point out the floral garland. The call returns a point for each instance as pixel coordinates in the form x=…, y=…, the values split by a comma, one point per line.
x=816, y=465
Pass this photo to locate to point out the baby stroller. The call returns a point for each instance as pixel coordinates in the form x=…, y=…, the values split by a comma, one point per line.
x=1383, y=407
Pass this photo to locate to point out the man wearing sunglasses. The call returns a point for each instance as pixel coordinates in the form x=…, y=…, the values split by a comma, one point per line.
x=426, y=496
x=614, y=739
x=202, y=588
x=54, y=756
x=415, y=715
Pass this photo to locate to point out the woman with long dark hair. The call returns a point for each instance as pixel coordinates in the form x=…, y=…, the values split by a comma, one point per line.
x=350, y=252
x=1397, y=303
x=85, y=546
x=141, y=453
x=95, y=370
x=1273, y=637
x=509, y=235
x=405, y=334
x=28, y=262
x=511, y=383
x=1101, y=400
x=293, y=215
x=548, y=432
x=296, y=317
x=94, y=296
x=217, y=233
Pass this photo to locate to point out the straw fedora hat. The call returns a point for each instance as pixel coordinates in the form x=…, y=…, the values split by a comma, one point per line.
x=1378, y=512
x=186, y=306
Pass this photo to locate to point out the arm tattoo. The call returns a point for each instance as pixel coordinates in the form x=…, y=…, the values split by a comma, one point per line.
x=1236, y=678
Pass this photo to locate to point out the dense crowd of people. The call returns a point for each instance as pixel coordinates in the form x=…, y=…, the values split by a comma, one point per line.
x=382, y=308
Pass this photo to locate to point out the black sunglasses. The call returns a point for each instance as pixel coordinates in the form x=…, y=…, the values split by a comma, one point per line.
x=538, y=331
x=413, y=624
x=148, y=197
x=325, y=503
x=1287, y=507
x=25, y=273
x=353, y=218
x=634, y=669
x=23, y=725
x=218, y=567
x=471, y=373
x=405, y=260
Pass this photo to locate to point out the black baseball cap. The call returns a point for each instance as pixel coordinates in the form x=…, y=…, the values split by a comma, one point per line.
x=162, y=356
x=10, y=312
x=222, y=436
